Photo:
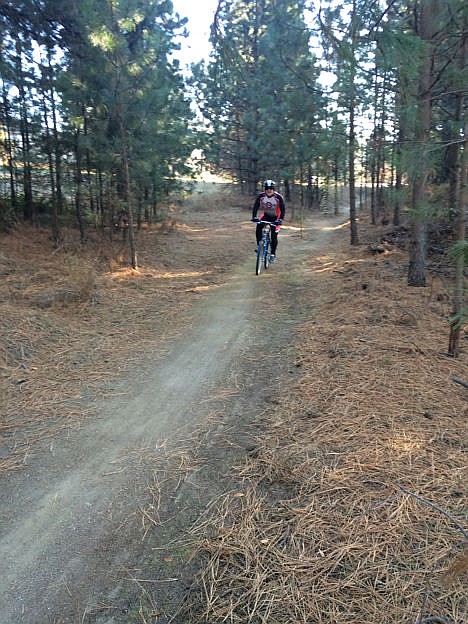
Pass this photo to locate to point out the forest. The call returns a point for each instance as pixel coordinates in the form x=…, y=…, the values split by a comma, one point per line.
x=182, y=440
x=99, y=124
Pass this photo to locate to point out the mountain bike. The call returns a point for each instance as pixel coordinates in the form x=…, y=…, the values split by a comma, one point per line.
x=263, y=248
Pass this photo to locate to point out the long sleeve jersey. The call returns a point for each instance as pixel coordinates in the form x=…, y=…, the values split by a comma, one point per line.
x=270, y=208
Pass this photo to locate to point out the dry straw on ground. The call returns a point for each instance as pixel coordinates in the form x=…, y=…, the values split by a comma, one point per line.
x=74, y=320
x=351, y=509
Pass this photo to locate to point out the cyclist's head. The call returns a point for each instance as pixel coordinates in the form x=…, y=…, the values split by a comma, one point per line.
x=269, y=185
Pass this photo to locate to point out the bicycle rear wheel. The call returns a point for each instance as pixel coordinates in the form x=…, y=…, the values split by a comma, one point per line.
x=258, y=266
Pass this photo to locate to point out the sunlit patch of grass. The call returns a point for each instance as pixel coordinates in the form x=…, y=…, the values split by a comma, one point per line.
x=129, y=273
x=407, y=443
x=334, y=228
x=180, y=274
x=207, y=288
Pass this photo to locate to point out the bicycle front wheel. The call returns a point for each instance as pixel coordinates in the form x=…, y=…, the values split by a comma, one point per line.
x=258, y=266
x=266, y=258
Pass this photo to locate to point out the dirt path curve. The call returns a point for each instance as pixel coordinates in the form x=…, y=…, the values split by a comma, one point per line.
x=71, y=519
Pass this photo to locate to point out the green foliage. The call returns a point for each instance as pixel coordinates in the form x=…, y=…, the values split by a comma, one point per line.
x=392, y=196
x=400, y=49
x=9, y=215
x=259, y=92
x=426, y=211
x=72, y=73
x=458, y=250
x=98, y=65
x=460, y=319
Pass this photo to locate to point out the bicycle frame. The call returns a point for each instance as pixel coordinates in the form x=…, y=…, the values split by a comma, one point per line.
x=263, y=252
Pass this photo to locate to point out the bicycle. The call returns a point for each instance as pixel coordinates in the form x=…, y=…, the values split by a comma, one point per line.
x=263, y=247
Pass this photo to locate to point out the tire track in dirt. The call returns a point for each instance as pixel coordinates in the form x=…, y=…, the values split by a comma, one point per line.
x=71, y=519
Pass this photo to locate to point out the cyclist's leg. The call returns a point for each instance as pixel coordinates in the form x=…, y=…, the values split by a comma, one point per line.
x=274, y=240
x=258, y=232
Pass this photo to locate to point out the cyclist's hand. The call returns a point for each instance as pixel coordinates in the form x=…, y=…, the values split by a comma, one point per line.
x=255, y=219
x=278, y=221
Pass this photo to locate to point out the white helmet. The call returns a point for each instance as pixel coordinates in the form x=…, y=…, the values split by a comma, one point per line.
x=269, y=184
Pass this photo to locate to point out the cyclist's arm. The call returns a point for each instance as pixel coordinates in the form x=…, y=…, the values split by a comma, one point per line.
x=281, y=206
x=255, y=208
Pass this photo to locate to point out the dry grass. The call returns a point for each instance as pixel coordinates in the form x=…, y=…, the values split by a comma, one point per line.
x=352, y=507
x=350, y=510
x=74, y=320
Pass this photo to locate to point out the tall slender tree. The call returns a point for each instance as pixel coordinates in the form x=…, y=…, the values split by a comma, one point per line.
x=426, y=28
x=97, y=80
x=259, y=91
x=458, y=195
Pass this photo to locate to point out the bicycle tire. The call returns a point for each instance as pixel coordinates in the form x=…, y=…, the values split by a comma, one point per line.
x=266, y=258
x=258, y=266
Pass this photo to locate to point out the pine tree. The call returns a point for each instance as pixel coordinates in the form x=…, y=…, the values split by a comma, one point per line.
x=259, y=91
x=94, y=80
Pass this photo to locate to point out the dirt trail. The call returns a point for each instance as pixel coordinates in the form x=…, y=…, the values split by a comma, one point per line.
x=71, y=520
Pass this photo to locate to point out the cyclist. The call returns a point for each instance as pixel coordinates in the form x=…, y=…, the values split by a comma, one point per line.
x=272, y=209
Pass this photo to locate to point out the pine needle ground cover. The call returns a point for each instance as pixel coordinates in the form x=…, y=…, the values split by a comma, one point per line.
x=76, y=319
x=351, y=507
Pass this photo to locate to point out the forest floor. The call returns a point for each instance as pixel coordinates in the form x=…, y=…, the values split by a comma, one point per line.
x=190, y=442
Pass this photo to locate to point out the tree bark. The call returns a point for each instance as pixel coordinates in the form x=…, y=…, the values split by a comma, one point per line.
x=9, y=144
x=460, y=197
x=78, y=190
x=398, y=170
x=418, y=243
x=28, y=208
x=352, y=138
x=127, y=191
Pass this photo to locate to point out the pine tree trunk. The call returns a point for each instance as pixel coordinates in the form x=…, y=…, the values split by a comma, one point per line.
x=127, y=192
x=336, y=204
x=460, y=198
x=398, y=177
x=352, y=139
x=28, y=208
x=374, y=150
x=352, y=179
x=417, y=247
x=56, y=140
x=9, y=144
x=78, y=191
x=458, y=295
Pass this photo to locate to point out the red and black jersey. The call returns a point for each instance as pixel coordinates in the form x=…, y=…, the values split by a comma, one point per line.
x=270, y=208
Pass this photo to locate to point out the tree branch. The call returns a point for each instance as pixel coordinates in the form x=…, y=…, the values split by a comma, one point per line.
x=460, y=381
x=439, y=509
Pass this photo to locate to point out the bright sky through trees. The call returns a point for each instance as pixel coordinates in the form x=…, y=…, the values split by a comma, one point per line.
x=200, y=17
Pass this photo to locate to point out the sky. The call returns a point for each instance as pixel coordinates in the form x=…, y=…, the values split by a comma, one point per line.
x=200, y=14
